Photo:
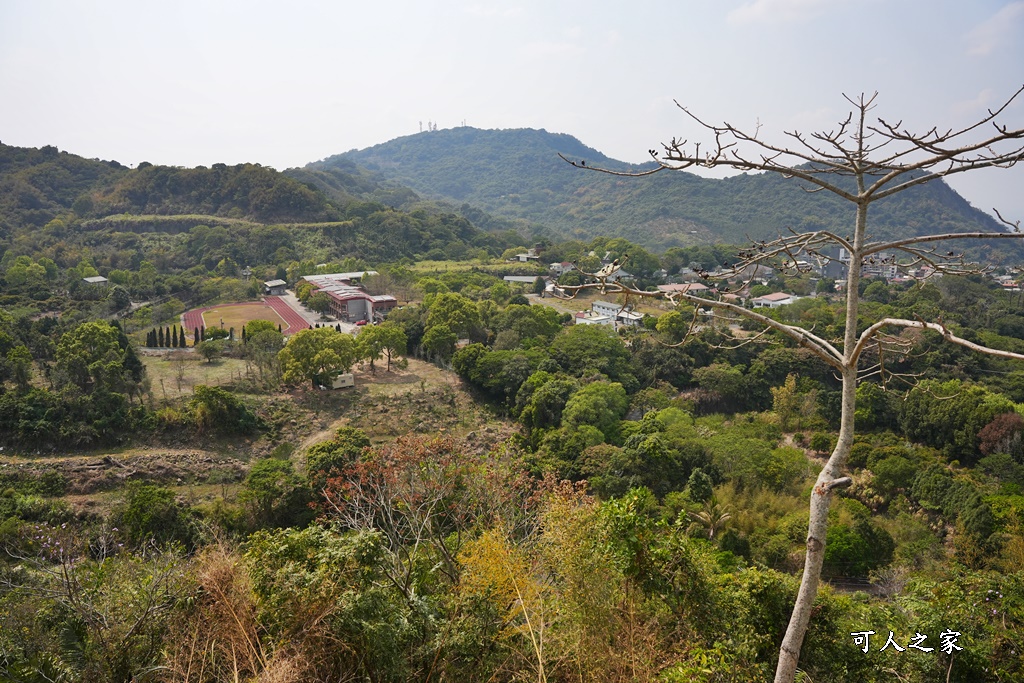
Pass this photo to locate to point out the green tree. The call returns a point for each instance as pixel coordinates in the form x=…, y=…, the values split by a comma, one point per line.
x=217, y=409
x=151, y=513
x=320, y=303
x=439, y=340
x=210, y=349
x=673, y=326
x=454, y=311
x=385, y=339
x=263, y=346
x=118, y=298
x=90, y=357
x=599, y=404
x=328, y=458
x=699, y=487
x=315, y=355
x=275, y=495
x=19, y=362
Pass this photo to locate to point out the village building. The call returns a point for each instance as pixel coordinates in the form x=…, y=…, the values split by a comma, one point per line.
x=530, y=255
x=274, y=287
x=97, y=280
x=349, y=302
x=593, y=318
x=688, y=288
x=773, y=300
x=560, y=269
x=618, y=314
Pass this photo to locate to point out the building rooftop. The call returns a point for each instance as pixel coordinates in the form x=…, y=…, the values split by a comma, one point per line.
x=775, y=296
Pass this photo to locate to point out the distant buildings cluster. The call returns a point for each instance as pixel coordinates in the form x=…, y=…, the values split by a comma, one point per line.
x=349, y=302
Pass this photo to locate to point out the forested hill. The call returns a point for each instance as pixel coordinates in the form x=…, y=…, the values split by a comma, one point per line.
x=351, y=211
x=517, y=173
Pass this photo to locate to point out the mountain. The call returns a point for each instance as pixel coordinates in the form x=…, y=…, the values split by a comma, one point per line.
x=518, y=174
x=338, y=213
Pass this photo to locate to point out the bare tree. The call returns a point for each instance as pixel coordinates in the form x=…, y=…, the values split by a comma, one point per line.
x=861, y=161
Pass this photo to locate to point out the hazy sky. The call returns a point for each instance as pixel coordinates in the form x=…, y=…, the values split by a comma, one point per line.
x=286, y=83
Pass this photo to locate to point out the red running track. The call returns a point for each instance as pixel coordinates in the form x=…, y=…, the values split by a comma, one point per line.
x=295, y=322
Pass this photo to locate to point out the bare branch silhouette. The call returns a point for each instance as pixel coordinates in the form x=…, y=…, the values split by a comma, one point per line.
x=860, y=162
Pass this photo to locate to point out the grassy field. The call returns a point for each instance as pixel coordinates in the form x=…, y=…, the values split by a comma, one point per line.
x=238, y=316
x=174, y=374
x=443, y=266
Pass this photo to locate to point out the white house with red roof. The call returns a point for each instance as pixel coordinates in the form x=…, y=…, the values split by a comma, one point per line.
x=774, y=300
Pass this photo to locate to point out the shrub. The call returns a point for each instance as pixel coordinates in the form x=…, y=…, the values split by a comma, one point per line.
x=150, y=513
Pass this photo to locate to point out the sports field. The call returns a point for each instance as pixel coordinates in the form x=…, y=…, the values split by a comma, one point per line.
x=237, y=315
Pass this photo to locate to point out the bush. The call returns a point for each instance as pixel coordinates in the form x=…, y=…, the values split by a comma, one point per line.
x=822, y=442
x=151, y=514
x=218, y=410
x=330, y=456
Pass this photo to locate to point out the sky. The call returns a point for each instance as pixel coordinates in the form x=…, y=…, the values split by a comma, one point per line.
x=282, y=84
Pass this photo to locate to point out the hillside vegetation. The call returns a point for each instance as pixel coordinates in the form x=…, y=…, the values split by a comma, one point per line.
x=517, y=173
x=315, y=215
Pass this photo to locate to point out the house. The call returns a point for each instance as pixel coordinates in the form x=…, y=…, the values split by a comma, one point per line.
x=530, y=255
x=689, y=288
x=774, y=300
x=605, y=308
x=593, y=318
x=560, y=269
x=97, y=280
x=618, y=314
x=630, y=318
x=274, y=287
x=619, y=274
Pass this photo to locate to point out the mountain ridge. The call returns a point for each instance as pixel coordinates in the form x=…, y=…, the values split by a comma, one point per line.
x=516, y=173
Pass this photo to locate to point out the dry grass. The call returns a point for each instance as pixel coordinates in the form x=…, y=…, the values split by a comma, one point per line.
x=417, y=376
x=238, y=316
x=174, y=374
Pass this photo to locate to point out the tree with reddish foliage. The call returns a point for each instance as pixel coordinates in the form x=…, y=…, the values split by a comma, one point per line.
x=1003, y=435
x=424, y=496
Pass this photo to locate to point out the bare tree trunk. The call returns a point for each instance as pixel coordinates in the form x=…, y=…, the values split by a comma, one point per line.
x=829, y=478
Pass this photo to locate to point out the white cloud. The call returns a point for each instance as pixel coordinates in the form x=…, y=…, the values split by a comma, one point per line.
x=777, y=11
x=974, y=107
x=1004, y=26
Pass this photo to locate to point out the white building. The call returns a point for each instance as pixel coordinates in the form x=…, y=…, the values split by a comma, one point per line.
x=617, y=313
x=592, y=318
x=773, y=300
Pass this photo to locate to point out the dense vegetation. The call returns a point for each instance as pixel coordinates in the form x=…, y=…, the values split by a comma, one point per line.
x=95, y=207
x=517, y=173
x=505, y=496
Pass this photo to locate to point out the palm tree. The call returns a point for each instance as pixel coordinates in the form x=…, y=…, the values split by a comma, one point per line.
x=712, y=518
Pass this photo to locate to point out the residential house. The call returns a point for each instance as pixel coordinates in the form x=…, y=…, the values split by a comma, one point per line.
x=773, y=300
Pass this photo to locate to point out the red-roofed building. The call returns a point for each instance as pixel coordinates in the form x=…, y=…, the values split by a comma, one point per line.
x=773, y=300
